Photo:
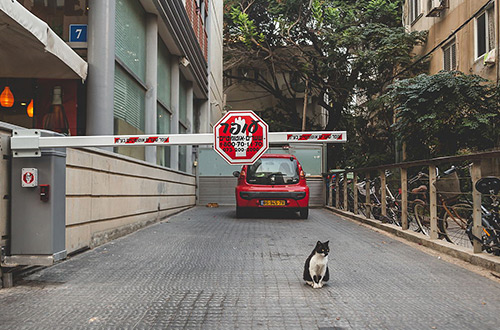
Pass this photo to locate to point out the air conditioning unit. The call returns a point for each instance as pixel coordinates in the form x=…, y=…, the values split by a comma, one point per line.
x=435, y=7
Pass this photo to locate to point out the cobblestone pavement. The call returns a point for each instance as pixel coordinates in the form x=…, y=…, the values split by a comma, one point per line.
x=206, y=269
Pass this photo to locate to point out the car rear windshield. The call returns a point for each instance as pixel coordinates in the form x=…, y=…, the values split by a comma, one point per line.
x=273, y=171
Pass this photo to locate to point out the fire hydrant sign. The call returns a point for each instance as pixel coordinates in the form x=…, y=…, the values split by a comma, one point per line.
x=29, y=177
x=241, y=137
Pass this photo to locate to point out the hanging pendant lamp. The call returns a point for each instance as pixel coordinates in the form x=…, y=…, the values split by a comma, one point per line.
x=6, y=98
x=29, y=109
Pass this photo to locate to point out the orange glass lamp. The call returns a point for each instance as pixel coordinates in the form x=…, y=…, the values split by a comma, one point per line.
x=29, y=109
x=7, y=98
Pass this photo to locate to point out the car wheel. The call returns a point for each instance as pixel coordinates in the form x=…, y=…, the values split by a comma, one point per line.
x=239, y=212
x=304, y=213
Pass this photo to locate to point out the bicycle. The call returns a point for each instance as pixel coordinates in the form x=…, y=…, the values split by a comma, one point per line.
x=452, y=220
x=490, y=218
x=393, y=208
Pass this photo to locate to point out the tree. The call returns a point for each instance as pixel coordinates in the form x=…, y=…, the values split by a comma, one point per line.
x=445, y=114
x=346, y=50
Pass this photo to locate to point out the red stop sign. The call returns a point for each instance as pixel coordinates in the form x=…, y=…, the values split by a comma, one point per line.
x=241, y=137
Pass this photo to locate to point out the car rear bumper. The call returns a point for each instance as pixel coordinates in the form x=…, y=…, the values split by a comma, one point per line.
x=296, y=195
x=255, y=199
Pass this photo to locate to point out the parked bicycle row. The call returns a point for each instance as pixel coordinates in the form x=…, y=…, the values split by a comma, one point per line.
x=457, y=202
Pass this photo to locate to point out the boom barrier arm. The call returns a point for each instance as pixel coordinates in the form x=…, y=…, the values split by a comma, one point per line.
x=28, y=142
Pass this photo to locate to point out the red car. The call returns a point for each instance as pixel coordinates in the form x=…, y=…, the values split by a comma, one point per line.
x=273, y=181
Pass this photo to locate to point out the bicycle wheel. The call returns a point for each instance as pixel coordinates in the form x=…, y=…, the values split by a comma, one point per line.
x=422, y=217
x=453, y=223
x=490, y=239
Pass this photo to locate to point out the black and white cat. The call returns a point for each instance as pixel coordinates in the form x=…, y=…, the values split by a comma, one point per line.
x=316, y=267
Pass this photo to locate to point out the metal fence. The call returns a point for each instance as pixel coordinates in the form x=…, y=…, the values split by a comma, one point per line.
x=435, y=197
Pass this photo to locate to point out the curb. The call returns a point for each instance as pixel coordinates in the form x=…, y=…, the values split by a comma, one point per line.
x=479, y=259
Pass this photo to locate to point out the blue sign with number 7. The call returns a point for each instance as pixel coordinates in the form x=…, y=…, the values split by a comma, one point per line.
x=78, y=33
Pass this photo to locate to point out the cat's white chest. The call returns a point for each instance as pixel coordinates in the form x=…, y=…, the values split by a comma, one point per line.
x=317, y=265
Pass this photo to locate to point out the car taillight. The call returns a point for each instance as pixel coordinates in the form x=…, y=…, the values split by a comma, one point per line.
x=242, y=177
x=302, y=175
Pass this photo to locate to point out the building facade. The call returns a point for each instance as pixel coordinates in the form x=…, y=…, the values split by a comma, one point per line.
x=154, y=67
x=94, y=67
x=463, y=34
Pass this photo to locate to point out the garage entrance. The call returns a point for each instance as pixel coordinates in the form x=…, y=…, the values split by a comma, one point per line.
x=216, y=182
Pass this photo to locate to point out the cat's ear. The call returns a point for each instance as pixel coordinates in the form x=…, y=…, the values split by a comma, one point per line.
x=326, y=243
x=319, y=243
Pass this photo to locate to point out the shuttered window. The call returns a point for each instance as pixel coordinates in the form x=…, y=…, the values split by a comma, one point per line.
x=130, y=34
x=128, y=99
x=414, y=10
x=450, y=57
x=163, y=74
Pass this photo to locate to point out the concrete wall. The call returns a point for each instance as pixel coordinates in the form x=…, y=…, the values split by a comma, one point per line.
x=108, y=195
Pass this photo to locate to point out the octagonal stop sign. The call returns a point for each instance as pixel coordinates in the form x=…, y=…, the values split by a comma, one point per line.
x=241, y=137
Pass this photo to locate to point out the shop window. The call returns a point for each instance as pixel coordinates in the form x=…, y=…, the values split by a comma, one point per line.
x=33, y=104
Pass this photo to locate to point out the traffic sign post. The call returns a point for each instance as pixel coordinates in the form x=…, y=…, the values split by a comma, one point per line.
x=241, y=137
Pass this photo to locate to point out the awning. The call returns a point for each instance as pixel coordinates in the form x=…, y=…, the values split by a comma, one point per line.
x=30, y=49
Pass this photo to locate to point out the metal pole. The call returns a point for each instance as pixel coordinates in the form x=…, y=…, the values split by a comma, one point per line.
x=101, y=60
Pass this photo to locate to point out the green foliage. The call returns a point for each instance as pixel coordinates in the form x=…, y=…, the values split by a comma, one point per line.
x=349, y=50
x=445, y=113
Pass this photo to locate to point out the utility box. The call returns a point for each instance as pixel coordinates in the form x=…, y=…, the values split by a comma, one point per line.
x=38, y=207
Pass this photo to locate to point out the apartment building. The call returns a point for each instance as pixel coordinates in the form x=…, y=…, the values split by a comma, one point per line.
x=463, y=34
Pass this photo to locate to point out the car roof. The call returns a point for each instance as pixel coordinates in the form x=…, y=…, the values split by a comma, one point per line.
x=277, y=156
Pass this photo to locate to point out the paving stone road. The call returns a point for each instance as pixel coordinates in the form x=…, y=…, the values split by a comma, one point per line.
x=203, y=268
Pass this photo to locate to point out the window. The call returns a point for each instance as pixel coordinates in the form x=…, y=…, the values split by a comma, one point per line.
x=414, y=10
x=450, y=56
x=485, y=32
x=163, y=127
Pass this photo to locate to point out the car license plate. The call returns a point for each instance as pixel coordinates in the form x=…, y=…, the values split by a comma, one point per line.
x=272, y=202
